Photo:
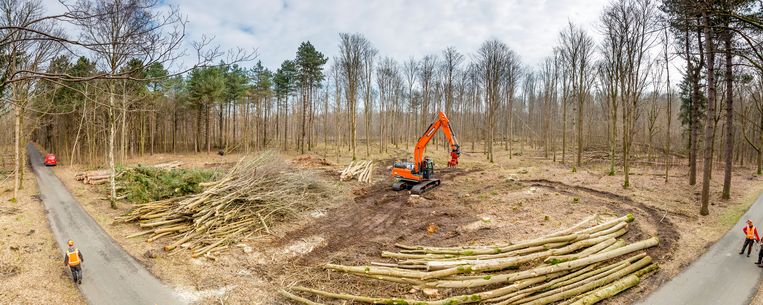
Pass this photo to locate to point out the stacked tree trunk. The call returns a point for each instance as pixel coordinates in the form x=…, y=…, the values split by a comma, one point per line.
x=93, y=177
x=583, y=264
x=169, y=165
x=245, y=202
x=361, y=170
x=102, y=176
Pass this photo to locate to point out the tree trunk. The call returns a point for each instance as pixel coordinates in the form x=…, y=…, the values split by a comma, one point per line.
x=112, y=134
x=710, y=121
x=609, y=291
x=668, y=157
x=207, y=127
x=729, y=114
x=17, y=145
x=304, y=120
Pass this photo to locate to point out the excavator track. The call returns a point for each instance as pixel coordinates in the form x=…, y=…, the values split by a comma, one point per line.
x=424, y=186
x=400, y=185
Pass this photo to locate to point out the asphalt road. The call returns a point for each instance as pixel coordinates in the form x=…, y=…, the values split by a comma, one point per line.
x=110, y=275
x=719, y=277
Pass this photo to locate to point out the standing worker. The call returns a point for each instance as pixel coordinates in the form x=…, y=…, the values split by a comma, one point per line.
x=750, y=237
x=73, y=259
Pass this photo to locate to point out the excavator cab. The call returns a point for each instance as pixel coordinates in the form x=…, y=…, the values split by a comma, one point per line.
x=418, y=176
x=427, y=168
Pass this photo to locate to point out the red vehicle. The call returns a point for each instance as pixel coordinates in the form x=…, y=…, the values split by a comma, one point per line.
x=50, y=160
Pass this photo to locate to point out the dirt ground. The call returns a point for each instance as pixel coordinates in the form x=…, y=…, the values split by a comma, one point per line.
x=32, y=271
x=477, y=203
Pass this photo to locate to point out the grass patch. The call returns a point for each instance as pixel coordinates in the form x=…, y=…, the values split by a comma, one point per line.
x=145, y=184
x=731, y=215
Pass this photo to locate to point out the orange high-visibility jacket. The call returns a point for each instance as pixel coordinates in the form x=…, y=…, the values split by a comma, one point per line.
x=73, y=257
x=751, y=233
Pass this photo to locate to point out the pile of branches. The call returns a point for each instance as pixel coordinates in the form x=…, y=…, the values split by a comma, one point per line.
x=361, y=170
x=245, y=202
x=102, y=176
x=583, y=264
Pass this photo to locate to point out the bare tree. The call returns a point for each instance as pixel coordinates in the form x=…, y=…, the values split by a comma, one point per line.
x=451, y=60
x=411, y=71
x=119, y=31
x=427, y=71
x=631, y=34
x=351, y=56
x=577, y=52
x=28, y=44
x=369, y=54
x=492, y=57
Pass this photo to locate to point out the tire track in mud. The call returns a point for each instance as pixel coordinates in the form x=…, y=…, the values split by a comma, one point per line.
x=377, y=218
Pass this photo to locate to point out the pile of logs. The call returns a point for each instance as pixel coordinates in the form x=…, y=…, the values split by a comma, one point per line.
x=583, y=264
x=102, y=176
x=93, y=177
x=361, y=170
x=168, y=165
x=245, y=202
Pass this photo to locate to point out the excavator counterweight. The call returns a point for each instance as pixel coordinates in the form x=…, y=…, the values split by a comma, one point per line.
x=418, y=176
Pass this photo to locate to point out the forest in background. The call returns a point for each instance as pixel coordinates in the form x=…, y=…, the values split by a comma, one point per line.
x=104, y=94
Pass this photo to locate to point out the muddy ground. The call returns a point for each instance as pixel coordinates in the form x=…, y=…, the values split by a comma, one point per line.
x=477, y=203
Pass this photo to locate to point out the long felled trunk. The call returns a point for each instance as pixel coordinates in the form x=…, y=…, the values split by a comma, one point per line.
x=709, y=123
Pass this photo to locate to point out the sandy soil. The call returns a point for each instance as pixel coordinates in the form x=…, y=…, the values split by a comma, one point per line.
x=478, y=203
x=32, y=271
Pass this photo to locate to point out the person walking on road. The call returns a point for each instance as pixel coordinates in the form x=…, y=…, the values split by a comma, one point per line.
x=750, y=237
x=73, y=259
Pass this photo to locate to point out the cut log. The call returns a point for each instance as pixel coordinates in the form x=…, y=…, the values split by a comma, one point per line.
x=568, y=293
x=572, y=229
x=638, y=246
x=499, y=264
x=296, y=298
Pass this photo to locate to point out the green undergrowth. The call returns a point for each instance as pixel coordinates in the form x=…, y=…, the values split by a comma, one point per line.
x=145, y=184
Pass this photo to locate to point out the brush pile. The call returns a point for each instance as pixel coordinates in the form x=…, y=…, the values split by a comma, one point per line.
x=361, y=170
x=245, y=202
x=583, y=264
x=143, y=184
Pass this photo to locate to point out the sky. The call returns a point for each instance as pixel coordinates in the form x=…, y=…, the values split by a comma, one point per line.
x=397, y=28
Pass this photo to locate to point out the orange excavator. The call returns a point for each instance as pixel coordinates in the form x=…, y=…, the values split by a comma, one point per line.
x=419, y=175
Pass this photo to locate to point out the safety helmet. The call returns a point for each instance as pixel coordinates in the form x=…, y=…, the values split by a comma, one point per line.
x=71, y=243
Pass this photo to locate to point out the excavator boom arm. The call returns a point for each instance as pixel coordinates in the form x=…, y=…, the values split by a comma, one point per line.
x=441, y=122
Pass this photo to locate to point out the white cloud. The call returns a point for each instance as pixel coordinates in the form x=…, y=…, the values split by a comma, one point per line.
x=398, y=28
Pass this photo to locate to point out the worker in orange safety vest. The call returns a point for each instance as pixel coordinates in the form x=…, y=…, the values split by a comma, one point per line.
x=73, y=259
x=750, y=237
